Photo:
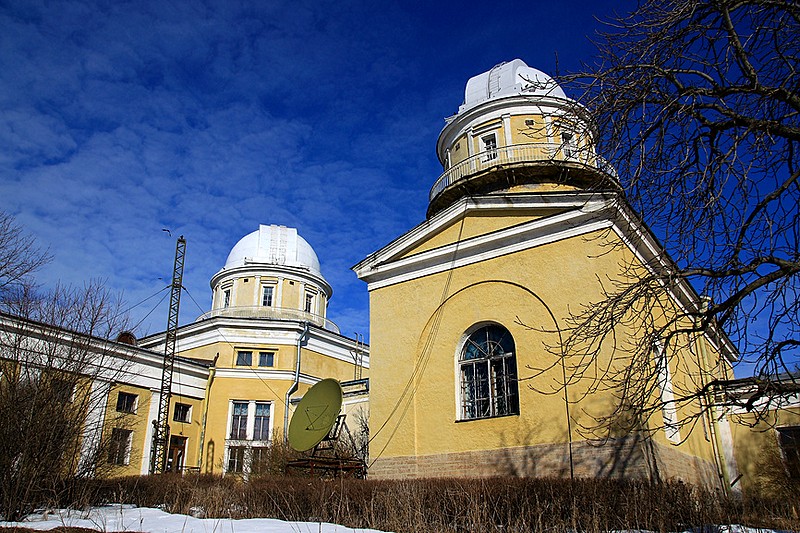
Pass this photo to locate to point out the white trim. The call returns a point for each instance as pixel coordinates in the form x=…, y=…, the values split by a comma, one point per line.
x=92, y=434
x=484, y=247
x=247, y=372
x=585, y=212
x=152, y=416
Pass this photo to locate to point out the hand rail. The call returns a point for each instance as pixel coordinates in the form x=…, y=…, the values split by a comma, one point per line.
x=518, y=153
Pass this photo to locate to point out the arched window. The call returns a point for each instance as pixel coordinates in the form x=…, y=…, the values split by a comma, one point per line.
x=488, y=374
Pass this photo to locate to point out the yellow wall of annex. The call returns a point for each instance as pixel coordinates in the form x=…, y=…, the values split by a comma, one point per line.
x=191, y=429
x=253, y=384
x=758, y=453
x=135, y=421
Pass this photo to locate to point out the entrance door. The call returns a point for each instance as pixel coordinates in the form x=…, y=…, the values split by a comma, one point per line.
x=177, y=451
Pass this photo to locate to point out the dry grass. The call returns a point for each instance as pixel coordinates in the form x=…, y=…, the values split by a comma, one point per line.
x=445, y=505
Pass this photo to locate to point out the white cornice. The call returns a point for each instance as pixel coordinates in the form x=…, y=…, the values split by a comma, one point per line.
x=254, y=331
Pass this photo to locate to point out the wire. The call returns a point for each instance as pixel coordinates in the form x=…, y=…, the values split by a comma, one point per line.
x=143, y=301
x=151, y=310
x=411, y=387
x=219, y=331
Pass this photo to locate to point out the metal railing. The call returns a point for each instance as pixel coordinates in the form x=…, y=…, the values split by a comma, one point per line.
x=268, y=312
x=516, y=154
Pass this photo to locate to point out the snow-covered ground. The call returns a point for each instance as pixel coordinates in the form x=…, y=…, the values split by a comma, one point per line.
x=130, y=518
x=114, y=518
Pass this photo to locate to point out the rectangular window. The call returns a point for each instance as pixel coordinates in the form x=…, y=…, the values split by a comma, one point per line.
x=309, y=302
x=126, y=402
x=266, y=298
x=568, y=144
x=261, y=428
x=490, y=146
x=266, y=359
x=119, y=450
x=244, y=358
x=789, y=439
x=182, y=413
x=236, y=455
x=239, y=421
x=260, y=461
x=226, y=298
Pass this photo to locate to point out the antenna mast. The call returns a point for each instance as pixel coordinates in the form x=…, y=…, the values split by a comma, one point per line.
x=161, y=429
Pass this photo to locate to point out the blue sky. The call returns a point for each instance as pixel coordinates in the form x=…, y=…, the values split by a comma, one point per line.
x=208, y=118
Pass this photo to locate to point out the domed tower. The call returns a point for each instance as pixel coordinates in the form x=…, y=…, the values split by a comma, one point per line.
x=271, y=273
x=516, y=131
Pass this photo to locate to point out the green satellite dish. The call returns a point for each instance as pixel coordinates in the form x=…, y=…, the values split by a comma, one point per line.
x=315, y=415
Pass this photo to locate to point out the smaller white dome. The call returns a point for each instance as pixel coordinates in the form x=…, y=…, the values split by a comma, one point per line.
x=274, y=245
x=509, y=79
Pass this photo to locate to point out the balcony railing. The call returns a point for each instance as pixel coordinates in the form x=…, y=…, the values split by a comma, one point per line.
x=519, y=154
x=276, y=313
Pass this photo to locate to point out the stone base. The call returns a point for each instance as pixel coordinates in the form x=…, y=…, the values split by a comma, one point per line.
x=629, y=458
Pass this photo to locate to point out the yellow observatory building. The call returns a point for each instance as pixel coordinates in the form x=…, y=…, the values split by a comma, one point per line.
x=264, y=342
x=466, y=306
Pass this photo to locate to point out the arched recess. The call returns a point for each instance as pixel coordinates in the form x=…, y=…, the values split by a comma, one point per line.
x=432, y=393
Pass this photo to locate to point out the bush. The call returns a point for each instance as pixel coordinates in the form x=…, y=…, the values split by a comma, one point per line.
x=447, y=505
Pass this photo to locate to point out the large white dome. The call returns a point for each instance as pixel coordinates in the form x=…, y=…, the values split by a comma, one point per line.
x=509, y=79
x=274, y=245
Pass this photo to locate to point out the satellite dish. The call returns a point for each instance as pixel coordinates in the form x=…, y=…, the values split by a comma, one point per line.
x=315, y=415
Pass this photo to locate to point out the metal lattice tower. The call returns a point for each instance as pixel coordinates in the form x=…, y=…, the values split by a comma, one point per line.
x=161, y=429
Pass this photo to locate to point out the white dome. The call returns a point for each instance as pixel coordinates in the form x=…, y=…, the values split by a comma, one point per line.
x=509, y=79
x=274, y=245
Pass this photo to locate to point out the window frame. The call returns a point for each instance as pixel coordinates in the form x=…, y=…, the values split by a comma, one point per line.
x=120, y=444
x=468, y=409
x=238, y=421
x=240, y=357
x=790, y=451
x=489, y=146
x=134, y=404
x=185, y=420
x=309, y=302
x=236, y=456
x=265, y=290
x=569, y=145
x=261, y=433
x=269, y=355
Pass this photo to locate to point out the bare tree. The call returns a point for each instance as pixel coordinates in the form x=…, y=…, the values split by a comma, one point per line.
x=697, y=104
x=20, y=256
x=55, y=369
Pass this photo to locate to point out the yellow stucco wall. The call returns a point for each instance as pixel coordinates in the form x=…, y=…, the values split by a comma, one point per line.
x=259, y=384
x=136, y=422
x=418, y=326
x=758, y=453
